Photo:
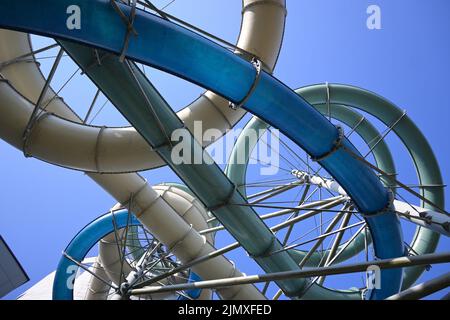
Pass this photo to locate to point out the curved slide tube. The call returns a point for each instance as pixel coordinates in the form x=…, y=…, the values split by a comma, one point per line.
x=207, y=189
x=344, y=97
x=82, y=243
x=428, y=172
x=257, y=28
x=237, y=171
x=119, y=150
x=299, y=122
x=189, y=208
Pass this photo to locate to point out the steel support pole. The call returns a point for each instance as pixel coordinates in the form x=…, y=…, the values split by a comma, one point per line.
x=313, y=272
x=424, y=289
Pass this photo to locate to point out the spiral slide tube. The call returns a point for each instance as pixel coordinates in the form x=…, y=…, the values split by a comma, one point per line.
x=262, y=21
x=298, y=121
x=119, y=150
x=342, y=96
x=189, y=208
x=82, y=244
x=429, y=175
x=427, y=167
x=158, y=138
x=237, y=171
x=208, y=182
x=204, y=63
x=170, y=229
x=122, y=186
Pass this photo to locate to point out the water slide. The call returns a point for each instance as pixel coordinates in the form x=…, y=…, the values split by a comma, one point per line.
x=26, y=78
x=343, y=106
x=201, y=61
x=261, y=33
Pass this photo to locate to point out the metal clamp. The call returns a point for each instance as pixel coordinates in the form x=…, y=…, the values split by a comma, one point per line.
x=174, y=245
x=268, y=251
x=225, y=202
x=386, y=209
x=337, y=144
x=29, y=130
x=97, y=149
x=257, y=64
x=129, y=23
x=24, y=60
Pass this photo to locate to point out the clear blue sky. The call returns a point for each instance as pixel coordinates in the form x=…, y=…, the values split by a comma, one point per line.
x=326, y=40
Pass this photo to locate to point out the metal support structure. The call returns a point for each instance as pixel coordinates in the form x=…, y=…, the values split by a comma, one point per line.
x=34, y=114
x=424, y=289
x=329, y=203
x=313, y=272
x=434, y=220
x=91, y=107
x=129, y=23
x=27, y=55
x=258, y=67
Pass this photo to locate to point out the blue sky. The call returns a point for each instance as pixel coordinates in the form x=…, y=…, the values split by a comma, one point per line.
x=407, y=61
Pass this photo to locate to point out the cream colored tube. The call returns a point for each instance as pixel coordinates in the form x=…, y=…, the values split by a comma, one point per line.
x=127, y=152
x=97, y=290
x=186, y=206
x=166, y=228
x=169, y=227
x=118, y=150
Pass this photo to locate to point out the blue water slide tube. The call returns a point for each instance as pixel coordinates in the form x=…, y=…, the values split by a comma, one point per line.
x=83, y=242
x=181, y=52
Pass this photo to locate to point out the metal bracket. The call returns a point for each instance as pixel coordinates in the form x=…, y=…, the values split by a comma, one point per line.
x=258, y=66
x=29, y=130
x=225, y=202
x=387, y=208
x=337, y=144
x=268, y=251
x=24, y=60
x=129, y=23
x=178, y=242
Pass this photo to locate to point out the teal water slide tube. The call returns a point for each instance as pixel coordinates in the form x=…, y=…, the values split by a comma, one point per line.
x=342, y=105
x=171, y=48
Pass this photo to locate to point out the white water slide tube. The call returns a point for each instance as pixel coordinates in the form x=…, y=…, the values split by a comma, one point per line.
x=116, y=150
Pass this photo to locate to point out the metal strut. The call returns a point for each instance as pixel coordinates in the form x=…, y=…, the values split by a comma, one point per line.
x=129, y=23
x=27, y=134
x=305, y=273
x=400, y=184
x=35, y=114
x=258, y=66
